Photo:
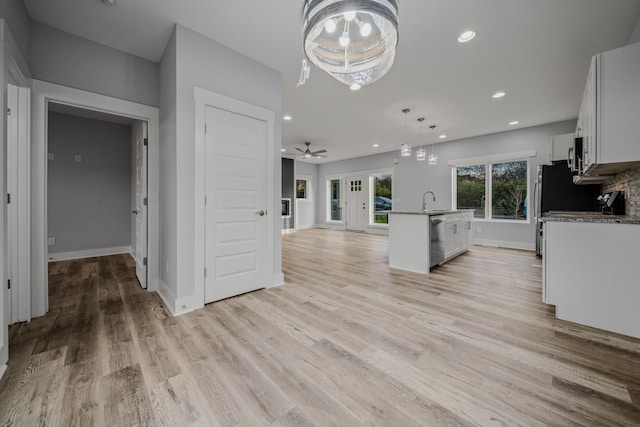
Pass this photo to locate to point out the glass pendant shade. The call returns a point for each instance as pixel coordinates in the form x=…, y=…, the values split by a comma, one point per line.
x=433, y=159
x=421, y=155
x=352, y=40
x=405, y=150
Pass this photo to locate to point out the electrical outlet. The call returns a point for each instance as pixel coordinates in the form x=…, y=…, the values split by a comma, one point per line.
x=51, y=156
x=51, y=241
x=77, y=158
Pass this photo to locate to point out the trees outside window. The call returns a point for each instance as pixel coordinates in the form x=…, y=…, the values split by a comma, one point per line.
x=471, y=189
x=335, y=199
x=495, y=191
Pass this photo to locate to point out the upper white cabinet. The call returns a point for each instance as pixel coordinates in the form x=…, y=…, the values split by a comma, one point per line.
x=608, y=117
x=560, y=145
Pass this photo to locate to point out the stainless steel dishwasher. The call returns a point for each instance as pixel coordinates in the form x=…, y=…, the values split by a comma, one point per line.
x=436, y=245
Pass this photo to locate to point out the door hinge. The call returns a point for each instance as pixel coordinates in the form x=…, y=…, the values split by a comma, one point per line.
x=146, y=141
x=8, y=111
x=205, y=200
x=8, y=198
x=205, y=272
x=9, y=284
x=145, y=201
x=144, y=261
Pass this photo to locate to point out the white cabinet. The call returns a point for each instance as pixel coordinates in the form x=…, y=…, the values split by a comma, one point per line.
x=458, y=233
x=590, y=273
x=560, y=145
x=607, y=121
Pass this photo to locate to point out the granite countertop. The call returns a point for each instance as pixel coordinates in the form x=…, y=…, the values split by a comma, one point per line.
x=432, y=212
x=590, y=217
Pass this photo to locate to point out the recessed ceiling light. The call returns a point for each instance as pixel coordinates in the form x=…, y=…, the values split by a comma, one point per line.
x=466, y=36
x=443, y=136
x=286, y=117
x=498, y=95
x=355, y=86
x=515, y=122
x=376, y=145
x=283, y=150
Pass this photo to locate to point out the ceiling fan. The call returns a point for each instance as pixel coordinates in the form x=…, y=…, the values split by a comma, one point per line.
x=308, y=153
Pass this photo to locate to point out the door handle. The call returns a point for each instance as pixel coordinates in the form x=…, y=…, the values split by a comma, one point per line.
x=135, y=212
x=261, y=213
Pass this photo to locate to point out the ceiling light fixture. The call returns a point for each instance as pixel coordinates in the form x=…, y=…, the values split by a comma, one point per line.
x=376, y=145
x=466, y=36
x=443, y=136
x=498, y=95
x=354, y=41
x=283, y=150
x=405, y=149
x=433, y=158
x=286, y=117
x=355, y=86
x=513, y=123
x=421, y=153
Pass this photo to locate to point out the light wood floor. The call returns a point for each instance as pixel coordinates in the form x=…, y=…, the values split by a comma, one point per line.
x=346, y=342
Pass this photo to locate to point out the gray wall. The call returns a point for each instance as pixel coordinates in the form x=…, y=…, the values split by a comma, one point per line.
x=16, y=18
x=88, y=202
x=310, y=169
x=168, y=250
x=135, y=128
x=207, y=64
x=635, y=34
x=68, y=60
x=413, y=178
x=288, y=191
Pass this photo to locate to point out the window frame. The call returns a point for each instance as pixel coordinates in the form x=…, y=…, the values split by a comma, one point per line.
x=372, y=204
x=488, y=162
x=341, y=186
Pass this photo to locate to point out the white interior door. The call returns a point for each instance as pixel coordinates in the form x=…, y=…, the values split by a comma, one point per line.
x=357, y=203
x=141, y=210
x=235, y=204
x=18, y=213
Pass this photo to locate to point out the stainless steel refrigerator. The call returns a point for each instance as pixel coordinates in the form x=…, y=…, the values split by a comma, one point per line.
x=554, y=190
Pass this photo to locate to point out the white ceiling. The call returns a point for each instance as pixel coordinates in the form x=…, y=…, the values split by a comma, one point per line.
x=538, y=51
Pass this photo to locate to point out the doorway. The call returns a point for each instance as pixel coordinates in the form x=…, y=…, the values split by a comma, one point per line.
x=357, y=202
x=44, y=94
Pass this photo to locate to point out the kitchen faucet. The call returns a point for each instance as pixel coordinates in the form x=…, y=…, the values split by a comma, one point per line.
x=424, y=202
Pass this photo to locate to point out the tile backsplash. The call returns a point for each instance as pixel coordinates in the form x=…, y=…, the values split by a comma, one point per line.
x=629, y=182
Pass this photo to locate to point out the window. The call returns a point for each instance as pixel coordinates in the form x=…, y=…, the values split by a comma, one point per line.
x=494, y=189
x=335, y=199
x=471, y=189
x=381, y=197
x=301, y=188
x=509, y=190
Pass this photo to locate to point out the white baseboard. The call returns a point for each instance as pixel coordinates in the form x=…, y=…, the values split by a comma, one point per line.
x=505, y=244
x=278, y=280
x=288, y=231
x=3, y=368
x=176, y=306
x=89, y=253
x=332, y=226
x=305, y=227
x=375, y=230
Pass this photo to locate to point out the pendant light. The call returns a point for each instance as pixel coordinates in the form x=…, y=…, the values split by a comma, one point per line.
x=421, y=153
x=405, y=149
x=433, y=158
x=354, y=41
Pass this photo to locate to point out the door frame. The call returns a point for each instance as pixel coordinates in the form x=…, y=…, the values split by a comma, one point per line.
x=202, y=99
x=43, y=93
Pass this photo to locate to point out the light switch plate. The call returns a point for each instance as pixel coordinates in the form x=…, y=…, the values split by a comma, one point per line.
x=77, y=158
x=51, y=241
x=50, y=156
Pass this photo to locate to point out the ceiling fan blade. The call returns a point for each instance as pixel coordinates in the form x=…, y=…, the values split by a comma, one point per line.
x=302, y=151
x=314, y=153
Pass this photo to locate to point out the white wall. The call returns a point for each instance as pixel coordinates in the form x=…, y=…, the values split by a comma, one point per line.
x=413, y=178
x=308, y=210
x=201, y=62
x=635, y=34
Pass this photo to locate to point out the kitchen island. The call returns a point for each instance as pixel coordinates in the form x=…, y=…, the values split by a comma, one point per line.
x=419, y=240
x=591, y=270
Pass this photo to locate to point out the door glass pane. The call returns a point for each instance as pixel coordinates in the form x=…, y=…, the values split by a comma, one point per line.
x=509, y=190
x=470, y=184
x=335, y=198
x=381, y=198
